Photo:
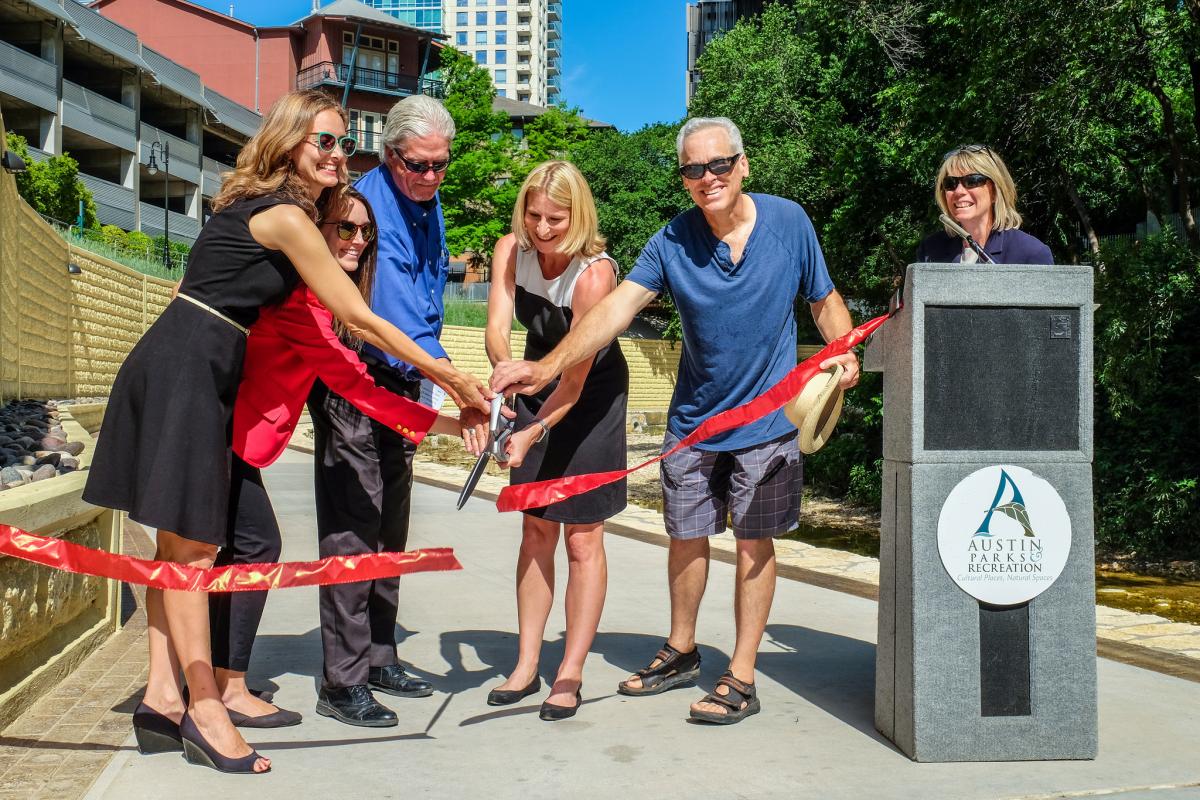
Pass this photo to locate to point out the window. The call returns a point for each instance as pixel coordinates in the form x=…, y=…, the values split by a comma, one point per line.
x=501, y=75
x=460, y=38
x=501, y=93
x=501, y=2
x=501, y=56
x=461, y=18
x=462, y=3
x=481, y=18
x=367, y=127
x=501, y=17
x=480, y=37
x=481, y=56
x=501, y=37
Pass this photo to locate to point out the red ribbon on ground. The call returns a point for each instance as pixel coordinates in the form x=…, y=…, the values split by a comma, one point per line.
x=71, y=557
x=543, y=493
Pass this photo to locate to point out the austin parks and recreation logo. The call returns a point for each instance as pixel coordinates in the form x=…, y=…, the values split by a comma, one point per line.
x=1004, y=535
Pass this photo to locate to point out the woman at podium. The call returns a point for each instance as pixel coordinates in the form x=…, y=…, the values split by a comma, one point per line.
x=979, y=212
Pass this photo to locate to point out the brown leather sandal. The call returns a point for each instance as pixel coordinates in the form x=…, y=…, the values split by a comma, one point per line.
x=742, y=701
x=675, y=669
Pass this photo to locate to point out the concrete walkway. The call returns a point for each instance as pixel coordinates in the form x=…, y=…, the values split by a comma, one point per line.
x=815, y=737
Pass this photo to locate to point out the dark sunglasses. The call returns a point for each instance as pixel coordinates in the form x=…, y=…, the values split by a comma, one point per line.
x=972, y=181
x=326, y=141
x=718, y=166
x=968, y=148
x=421, y=167
x=346, y=230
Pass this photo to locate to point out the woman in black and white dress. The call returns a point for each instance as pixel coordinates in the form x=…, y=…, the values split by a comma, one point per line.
x=549, y=271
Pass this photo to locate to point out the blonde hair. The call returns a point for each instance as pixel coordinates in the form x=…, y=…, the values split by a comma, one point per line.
x=982, y=159
x=264, y=166
x=563, y=184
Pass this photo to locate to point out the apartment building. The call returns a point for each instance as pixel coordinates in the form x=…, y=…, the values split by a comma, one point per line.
x=365, y=58
x=707, y=19
x=518, y=41
x=74, y=81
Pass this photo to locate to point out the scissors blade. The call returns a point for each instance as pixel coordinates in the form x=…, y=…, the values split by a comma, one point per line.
x=473, y=479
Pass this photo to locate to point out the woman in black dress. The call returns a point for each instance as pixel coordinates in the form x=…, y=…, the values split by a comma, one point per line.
x=164, y=452
x=550, y=270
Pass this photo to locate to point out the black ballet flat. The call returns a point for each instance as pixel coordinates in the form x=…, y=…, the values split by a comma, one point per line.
x=506, y=697
x=197, y=750
x=155, y=733
x=553, y=713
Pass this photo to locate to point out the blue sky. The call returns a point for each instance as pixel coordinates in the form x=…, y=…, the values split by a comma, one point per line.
x=623, y=60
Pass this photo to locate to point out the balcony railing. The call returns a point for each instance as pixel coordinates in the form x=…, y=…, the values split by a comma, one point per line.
x=331, y=74
x=368, y=141
x=28, y=77
x=97, y=116
x=554, y=11
x=185, y=156
x=182, y=226
x=114, y=203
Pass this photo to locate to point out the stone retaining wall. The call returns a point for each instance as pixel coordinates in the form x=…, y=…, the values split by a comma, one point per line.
x=51, y=620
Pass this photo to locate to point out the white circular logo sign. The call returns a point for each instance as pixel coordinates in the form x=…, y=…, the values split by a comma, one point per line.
x=1004, y=535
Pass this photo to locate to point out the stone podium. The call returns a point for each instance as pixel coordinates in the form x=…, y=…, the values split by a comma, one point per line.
x=987, y=632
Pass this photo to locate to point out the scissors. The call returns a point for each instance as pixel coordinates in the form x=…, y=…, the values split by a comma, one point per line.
x=500, y=429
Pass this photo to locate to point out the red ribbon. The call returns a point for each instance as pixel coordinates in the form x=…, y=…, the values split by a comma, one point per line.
x=71, y=557
x=544, y=493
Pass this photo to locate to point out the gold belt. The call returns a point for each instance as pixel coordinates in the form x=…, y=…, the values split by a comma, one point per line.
x=212, y=311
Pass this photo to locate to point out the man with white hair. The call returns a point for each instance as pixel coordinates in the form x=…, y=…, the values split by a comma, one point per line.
x=364, y=469
x=733, y=264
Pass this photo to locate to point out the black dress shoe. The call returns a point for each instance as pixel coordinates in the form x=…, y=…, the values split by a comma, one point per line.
x=506, y=697
x=392, y=679
x=354, y=705
x=553, y=713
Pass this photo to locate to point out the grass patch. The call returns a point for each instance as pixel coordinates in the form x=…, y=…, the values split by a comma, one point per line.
x=147, y=266
x=470, y=314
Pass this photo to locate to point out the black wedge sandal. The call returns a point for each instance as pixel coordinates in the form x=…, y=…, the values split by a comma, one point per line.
x=742, y=701
x=155, y=732
x=674, y=669
x=197, y=750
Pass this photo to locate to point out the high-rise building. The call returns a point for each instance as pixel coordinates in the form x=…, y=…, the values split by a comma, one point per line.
x=707, y=19
x=423, y=14
x=518, y=41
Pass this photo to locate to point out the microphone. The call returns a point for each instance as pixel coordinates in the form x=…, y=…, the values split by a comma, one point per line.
x=949, y=222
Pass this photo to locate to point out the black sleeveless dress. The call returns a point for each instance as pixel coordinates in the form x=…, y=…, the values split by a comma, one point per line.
x=164, y=452
x=591, y=437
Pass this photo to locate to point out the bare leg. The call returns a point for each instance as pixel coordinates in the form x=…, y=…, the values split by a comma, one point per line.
x=535, y=595
x=586, y=587
x=687, y=572
x=753, y=594
x=236, y=696
x=163, y=690
x=187, y=620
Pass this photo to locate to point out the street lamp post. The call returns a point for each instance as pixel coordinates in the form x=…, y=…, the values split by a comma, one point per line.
x=164, y=148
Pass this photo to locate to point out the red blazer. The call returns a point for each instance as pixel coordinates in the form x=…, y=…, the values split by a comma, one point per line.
x=290, y=346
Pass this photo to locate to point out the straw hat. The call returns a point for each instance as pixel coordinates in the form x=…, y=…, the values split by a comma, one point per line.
x=816, y=409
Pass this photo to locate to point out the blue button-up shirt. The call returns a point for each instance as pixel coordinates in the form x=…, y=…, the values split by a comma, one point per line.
x=411, y=266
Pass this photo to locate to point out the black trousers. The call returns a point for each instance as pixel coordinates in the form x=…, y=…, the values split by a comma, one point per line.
x=363, y=489
x=252, y=537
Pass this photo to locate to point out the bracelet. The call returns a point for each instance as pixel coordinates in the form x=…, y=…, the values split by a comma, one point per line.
x=545, y=429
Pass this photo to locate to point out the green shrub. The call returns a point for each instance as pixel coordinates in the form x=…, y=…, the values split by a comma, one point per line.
x=1147, y=400
x=52, y=187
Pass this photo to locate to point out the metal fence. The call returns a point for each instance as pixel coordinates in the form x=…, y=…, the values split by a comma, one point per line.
x=469, y=292
x=147, y=259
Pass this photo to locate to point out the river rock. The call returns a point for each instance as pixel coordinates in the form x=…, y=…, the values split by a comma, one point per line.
x=10, y=475
x=68, y=462
x=74, y=448
x=28, y=461
x=43, y=472
x=52, y=443
x=53, y=459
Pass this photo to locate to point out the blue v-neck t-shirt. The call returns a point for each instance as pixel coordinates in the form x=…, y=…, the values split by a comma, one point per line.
x=739, y=322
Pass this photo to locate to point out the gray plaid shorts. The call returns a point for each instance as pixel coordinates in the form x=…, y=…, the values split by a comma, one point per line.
x=757, y=488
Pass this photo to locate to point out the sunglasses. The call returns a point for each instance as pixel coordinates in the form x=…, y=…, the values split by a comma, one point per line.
x=968, y=148
x=718, y=166
x=347, y=229
x=326, y=141
x=972, y=181
x=421, y=167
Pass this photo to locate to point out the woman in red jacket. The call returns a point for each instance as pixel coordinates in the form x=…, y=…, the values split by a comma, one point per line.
x=289, y=347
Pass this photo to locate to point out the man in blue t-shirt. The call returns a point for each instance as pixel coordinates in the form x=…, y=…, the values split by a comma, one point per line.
x=734, y=265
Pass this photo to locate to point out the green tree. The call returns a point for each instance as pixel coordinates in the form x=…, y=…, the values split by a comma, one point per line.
x=478, y=194
x=52, y=187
